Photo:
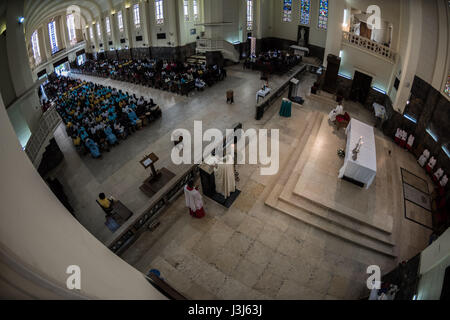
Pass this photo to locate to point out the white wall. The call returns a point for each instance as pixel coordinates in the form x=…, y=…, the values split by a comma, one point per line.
x=46, y=241
x=429, y=41
x=356, y=59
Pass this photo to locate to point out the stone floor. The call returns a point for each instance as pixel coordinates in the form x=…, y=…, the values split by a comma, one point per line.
x=249, y=251
x=119, y=172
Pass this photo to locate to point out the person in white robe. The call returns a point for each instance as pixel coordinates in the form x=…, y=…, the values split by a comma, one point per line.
x=424, y=157
x=194, y=200
x=430, y=164
x=438, y=174
x=403, y=139
x=398, y=135
x=335, y=112
x=443, y=181
x=224, y=176
x=410, y=142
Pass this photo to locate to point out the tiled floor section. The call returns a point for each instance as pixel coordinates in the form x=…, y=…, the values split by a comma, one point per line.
x=249, y=251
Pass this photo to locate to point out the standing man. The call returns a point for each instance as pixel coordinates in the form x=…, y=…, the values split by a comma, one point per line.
x=194, y=200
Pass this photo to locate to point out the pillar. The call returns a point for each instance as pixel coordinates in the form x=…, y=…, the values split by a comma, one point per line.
x=334, y=29
x=412, y=55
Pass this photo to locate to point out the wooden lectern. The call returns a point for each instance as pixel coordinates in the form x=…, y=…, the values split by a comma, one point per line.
x=158, y=178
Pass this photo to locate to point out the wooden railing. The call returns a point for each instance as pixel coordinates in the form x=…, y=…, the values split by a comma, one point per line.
x=369, y=45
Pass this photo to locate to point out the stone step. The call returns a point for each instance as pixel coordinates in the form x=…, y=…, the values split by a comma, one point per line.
x=312, y=202
x=336, y=218
x=331, y=228
x=281, y=198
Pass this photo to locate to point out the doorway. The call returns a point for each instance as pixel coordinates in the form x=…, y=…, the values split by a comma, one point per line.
x=360, y=87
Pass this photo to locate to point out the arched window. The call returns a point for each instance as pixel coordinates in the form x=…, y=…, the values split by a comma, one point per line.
x=323, y=14
x=35, y=47
x=249, y=15
x=108, y=26
x=136, y=16
x=52, y=35
x=195, y=9
x=120, y=21
x=305, y=6
x=287, y=10
x=159, y=11
x=71, y=29
x=99, y=32
x=186, y=10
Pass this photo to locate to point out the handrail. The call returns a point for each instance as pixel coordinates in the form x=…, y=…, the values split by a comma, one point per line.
x=367, y=44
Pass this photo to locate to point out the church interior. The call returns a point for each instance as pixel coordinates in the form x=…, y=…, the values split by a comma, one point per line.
x=225, y=149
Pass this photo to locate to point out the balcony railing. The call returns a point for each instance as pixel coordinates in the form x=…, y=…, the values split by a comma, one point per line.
x=369, y=45
x=48, y=122
x=227, y=48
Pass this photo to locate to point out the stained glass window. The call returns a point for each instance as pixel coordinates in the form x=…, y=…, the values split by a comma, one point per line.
x=447, y=86
x=304, y=11
x=323, y=14
x=287, y=10
x=52, y=34
x=159, y=11
x=249, y=15
x=136, y=16
x=35, y=47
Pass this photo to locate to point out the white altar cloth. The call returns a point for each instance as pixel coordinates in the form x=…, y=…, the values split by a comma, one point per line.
x=364, y=168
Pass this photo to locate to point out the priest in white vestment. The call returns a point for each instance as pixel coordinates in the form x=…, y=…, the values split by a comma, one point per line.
x=335, y=112
x=224, y=176
x=194, y=200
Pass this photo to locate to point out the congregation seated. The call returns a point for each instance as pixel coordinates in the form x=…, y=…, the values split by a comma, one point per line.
x=272, y=61
x=167, y=75
x=96, y=117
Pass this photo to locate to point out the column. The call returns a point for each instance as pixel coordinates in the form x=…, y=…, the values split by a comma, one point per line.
x=334, y=29
x=411, y=59
x=17, y=49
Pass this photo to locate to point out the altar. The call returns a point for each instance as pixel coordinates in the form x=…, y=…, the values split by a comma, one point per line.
x=363, y=169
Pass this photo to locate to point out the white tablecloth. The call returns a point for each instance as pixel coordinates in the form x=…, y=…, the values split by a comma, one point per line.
x=364, y=168
x=262, y=93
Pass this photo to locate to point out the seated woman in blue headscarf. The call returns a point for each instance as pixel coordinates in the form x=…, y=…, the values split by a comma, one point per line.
x=110, y=136
x=93, y=148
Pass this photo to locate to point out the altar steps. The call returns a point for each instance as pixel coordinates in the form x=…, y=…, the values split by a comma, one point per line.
x=316, y=214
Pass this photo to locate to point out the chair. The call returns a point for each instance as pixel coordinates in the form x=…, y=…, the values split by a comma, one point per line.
x=342, y=121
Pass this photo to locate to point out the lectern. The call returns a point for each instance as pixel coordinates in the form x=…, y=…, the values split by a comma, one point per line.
x=158, y=178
